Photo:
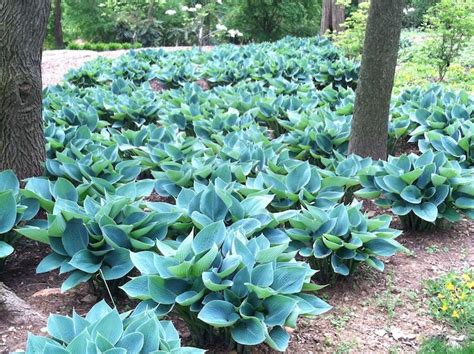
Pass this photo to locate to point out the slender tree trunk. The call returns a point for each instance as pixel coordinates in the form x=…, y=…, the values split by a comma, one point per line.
x=22, y=31
x=333, y=16
x=58, y=28
x=374, y=89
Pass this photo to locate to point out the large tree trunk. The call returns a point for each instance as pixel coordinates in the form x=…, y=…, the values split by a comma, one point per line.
x=58, y=28
x=374, y=89
x=332, y=16
x=22, y=31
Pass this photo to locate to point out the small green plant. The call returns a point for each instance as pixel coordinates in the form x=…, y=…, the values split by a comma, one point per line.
x=14, y=209
x=388, y=300
x=422, y=190
x=105, y=330
x=226, y=287
x=336, y=240
x=439, y=345
x=451, y=26
x=452, y=299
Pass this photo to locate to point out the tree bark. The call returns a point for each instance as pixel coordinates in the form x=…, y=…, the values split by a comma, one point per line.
x=333, y=16
x=374, y=89
x=16, y=312
x=58, y=28
x=22, y=32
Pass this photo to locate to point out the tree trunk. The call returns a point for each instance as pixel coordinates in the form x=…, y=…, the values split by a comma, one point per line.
x=333, y=16
x=374, y=89
x=22, y=31
x=58, y=28
x=16, y=312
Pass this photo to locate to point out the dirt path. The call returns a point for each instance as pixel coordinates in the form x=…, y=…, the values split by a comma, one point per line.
x=56, y=63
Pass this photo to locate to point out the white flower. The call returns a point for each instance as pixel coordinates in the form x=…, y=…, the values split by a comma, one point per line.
x=192, y=9
x=184, y=8
x=170, y=12
x=239, y=34
x=221, y=27
x=198, y=6
x=411, y=9
x=219, y=2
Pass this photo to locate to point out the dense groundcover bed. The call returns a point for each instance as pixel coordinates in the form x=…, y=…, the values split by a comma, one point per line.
x=211, y=186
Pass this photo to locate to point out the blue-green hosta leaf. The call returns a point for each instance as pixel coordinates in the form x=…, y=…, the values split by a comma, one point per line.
x=375, y=263
x=426, y=211
x=214, y=283
x=213, y=234
x=401, y=208
x=110, y=327
x=339, y=266
x=440, y=195
x=213, y=206
x=34, y=233
x=411, y=194
x=289, y=279
x=5, y=249
x=278, y=308
x=367, y=193
x=7, y=211
x=412, y=176
x=278, y=338
x=132, y=343
x=262, y=275
x=218, y=313
x=9, y=182
x=320, y=250
x=249, y=331
x=298, y=177
x=256, y=204
x=383, y=247
x=464, y=203
x=189, y=297
x=394, y=184
x=116, y=236
x=75, y=237
x=65, y=190
x=87, y=262
x=75, y=279
x=163, y=291
x=50, y=262
x=137, y=288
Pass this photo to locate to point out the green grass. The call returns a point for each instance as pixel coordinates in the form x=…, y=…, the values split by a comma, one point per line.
x=437, y=345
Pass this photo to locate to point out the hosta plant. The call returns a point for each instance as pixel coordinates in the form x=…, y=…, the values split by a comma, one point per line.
x=337, y=239
x=95, y=239
x=295, y=182
x=105, y=330
x=14, y=208
x=228, y=288
x=423, y=190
